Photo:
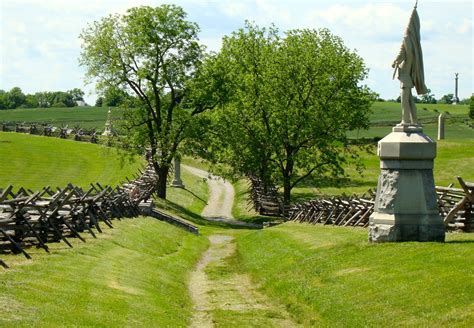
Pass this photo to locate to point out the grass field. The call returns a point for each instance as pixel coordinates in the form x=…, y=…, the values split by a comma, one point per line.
x=131, y=276
x=35, y=162
x=384, y=115
x=86, y=117
x=454, y=158
x=331, y=277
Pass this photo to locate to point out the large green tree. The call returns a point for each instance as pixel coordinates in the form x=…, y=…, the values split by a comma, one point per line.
x=152, y=54
x=288, y=102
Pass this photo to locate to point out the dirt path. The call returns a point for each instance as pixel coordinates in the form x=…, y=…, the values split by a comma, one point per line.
x=221, y=199
x=223, y=297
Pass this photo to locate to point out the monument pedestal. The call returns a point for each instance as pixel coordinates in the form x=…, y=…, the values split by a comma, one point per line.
x=177, y=182
x=406, y=205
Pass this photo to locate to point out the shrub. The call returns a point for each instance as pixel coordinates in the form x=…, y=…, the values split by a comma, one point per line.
x=471, y=108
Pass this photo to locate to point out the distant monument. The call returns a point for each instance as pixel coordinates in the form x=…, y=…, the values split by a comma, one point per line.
x=456, y=98
x=441, y=119
x=108, y=125
x=406, y=205
x=177, y=182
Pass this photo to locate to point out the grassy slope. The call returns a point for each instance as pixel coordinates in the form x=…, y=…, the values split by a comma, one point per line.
x=34, y=162
x=331, y=276
x=454, y=158
x=133, y=275
x=86, y=117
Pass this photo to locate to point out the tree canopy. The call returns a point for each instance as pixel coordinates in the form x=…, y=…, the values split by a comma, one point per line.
x=151, y=53
x=287, y=103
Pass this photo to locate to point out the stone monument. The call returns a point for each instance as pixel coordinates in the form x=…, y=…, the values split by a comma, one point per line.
x=177, y=182
x=406, y=205
x=456, y=98
x=108, y=125
x=441, y=118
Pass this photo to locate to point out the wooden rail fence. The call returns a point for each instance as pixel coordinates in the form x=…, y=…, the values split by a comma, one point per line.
x=455, y=206
x=266, y=201
x=77, y=133
x=29, y=218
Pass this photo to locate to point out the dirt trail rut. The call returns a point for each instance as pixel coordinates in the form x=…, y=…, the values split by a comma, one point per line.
x=221, y=199
x=220, y=294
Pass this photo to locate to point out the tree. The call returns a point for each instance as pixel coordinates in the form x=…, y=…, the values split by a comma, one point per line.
x=288, y=103
x=15, y=98
x=428, y=98
x=31, y=101
x=76, y=94
x=446, y=99
x=3, y=99
x=152, y=53
x=471, y=108
x=99, y=102
x=114, y=97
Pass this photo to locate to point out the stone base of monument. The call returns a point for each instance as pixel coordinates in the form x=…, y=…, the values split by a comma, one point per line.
x=177, y=184
x=406, y=204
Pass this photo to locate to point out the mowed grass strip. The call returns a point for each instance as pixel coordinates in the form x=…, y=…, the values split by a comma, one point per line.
x=331, y=276
x=35, y=162
x=134, y=275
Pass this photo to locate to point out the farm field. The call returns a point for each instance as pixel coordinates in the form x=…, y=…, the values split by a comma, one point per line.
x=383, y=116
x=86, y=117
x=35, y=162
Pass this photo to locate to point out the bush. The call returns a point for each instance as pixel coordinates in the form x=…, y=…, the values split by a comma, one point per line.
x=59, y=104
x=471, y=108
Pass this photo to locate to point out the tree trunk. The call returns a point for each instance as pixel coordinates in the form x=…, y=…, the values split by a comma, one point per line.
x=162, y=181
x=286, y=190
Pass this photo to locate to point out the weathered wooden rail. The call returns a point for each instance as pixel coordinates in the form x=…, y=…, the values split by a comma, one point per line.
x=36, y=218
x=265, y=199
x=76, y=133
x=455, y=206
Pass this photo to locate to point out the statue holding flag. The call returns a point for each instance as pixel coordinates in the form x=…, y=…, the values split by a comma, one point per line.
x=409, y=66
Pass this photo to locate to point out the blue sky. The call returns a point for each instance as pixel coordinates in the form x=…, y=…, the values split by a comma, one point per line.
x=40, y=46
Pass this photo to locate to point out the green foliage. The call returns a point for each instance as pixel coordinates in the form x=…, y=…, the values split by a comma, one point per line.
x=150, y=53
x=35, y=162
x=447, y=99
x=331, y=276
x=132, y=275
x=12, y=99
x=428, y=98
x=287, y=104
x=76, y=94
x=471, y=108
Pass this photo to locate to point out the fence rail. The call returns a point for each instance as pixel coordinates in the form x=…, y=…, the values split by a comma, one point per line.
x=35, y=218
x=455, y=206
x=77, y=133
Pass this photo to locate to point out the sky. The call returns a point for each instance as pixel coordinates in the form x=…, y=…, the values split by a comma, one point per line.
x=39, y=43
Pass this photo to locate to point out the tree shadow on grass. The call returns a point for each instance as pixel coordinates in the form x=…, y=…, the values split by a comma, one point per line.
x=188, y=215
x=459, y=242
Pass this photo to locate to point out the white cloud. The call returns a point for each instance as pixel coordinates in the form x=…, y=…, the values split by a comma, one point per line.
x=40, y=44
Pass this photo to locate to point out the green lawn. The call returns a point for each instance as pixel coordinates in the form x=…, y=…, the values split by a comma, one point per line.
x=86, y=117
x=332, y=277
x=35, y=162
x=131, y=276
x=391, y=111
x=454, y=158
